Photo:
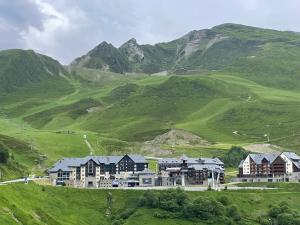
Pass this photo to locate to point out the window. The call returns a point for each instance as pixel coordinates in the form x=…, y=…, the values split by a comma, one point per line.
x=61, y=175
x=90, y=167
x=77, y=173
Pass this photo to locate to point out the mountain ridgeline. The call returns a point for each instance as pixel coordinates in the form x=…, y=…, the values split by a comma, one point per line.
x=227, y=46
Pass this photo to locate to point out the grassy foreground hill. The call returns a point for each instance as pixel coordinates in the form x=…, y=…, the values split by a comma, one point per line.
x=35, y=204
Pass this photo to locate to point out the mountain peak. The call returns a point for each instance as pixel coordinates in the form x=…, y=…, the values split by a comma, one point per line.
x=132, y=40
x=130, y=43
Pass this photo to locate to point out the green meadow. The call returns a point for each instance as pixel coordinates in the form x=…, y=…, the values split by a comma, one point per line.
x=130, y=109
x=35, y=204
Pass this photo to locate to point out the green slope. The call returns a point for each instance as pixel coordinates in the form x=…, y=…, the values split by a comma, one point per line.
x=26, y=74
x=34, y=204
x=230, y=78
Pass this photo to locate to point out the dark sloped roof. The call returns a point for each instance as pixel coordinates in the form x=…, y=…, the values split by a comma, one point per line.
x=138, y=158
x=67, y=163
x=207, y=167
x=292, y=155
x=192, y=161
x=257, y=158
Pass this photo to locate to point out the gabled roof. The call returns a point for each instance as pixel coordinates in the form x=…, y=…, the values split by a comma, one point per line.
x=205, y=161
x=138, y=158
x=257, y=158
x=292, y=156
x=192, y=161
x=66, y=164
x=207, y=167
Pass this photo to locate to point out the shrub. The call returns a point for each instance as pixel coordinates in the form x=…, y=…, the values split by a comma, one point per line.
x=274, y=211
x=286, y=219
x=224, y=200
x=204, y=208
x=161, y=215
x=233, y=212
x=149, y=199
x=172, y=200
x=126, y=213
x=263, y=221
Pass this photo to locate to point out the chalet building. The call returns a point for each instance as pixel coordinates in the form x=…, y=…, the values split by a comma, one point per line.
x=271, y=167
x=190, y=171
x=97, y=171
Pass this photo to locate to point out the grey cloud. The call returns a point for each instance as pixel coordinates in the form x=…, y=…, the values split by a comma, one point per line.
x=83, y=24
x=21, y=14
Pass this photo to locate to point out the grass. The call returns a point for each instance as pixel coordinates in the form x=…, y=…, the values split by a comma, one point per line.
x=211, y=105
x=35, y=204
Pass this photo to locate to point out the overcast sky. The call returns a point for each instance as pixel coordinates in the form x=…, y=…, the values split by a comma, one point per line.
x=65, y=29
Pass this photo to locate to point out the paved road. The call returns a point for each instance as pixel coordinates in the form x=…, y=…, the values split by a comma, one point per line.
x=190, y=188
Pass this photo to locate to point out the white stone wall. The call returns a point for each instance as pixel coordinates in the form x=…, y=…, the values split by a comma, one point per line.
x=97, y=175
x=82, y=171
x=246, y=166
x=288, y=163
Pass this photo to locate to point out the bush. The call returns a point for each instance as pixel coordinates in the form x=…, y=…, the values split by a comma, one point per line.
x=151, y=199
x=224, y=200
x=172, y=200
x=233, y=212
x=285, y=219
x=126, y=213
x=161, y=215
x=4, y=155
x=204, y=208
x=263, y=221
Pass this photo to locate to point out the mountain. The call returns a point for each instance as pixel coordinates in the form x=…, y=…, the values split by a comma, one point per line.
x=221, y=47
x=105, y=57
x=20, y=68
x=25, y=73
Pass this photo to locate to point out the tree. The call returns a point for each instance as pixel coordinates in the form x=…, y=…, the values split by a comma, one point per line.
x=205, y=208
x=234, y=156
x=4, y=155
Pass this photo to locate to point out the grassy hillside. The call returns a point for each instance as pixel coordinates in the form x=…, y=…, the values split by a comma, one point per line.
x=23, y=158
x=34, y=204
x=230, y=78
x=26, y=74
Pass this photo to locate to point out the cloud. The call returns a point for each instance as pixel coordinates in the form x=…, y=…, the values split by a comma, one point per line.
x=65, y=29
